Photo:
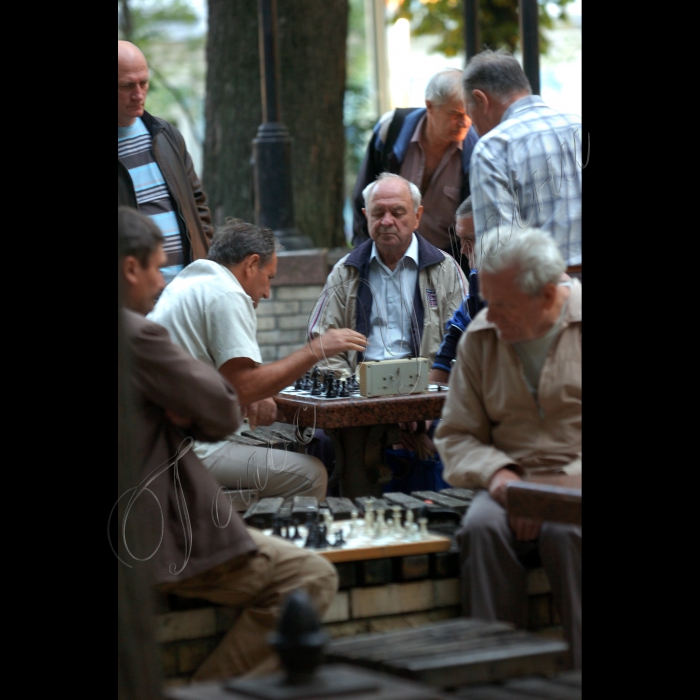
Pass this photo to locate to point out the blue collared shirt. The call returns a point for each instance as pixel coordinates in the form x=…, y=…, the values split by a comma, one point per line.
x=392, y=309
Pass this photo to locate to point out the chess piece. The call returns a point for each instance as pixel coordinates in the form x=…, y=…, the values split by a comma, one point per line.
x=312, y=538
x=296, y=535
x=398, y=530
x=332, y=388
x=344, y=392
x=277, y=525
x=339, y=541
x=306, y=383
x=381, y=523
x=299, y=384
x=423, y=522
x=316, y=388
x=353, y=524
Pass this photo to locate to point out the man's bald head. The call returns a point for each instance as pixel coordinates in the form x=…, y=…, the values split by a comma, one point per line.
x=132, y=70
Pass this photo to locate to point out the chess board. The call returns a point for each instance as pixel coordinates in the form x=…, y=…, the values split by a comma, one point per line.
x=362, y=544
x=323, y=385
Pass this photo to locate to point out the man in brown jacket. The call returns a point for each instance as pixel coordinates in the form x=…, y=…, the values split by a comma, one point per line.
x=514, y=408
x=206, y=551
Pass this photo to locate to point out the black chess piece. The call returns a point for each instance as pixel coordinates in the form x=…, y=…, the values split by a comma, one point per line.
x=339, y=540
x=343, y=389
x=306, y=382
x=313, y=536
x=316, y=389
x=299, y=384
x=277, y=525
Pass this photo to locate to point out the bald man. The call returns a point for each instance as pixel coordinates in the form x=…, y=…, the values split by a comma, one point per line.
x=156, y=175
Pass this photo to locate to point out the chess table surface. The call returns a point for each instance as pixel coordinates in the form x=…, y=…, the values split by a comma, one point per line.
x=299, y=407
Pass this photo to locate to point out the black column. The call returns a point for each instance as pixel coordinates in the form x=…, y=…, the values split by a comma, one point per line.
x=272, y=147
x=471, y=28
x=530, y=42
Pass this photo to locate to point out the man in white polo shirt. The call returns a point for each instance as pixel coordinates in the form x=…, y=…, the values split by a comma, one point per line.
x=209, y=309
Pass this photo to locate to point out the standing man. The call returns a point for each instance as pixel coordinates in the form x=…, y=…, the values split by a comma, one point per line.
x=155, y=171
x=395, y=288
x=526, y=168
x=209, y=309
x=514, y=409
x=201, y=550
x=430, y=147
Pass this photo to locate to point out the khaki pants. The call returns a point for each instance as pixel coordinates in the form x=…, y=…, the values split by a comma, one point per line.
x=494, y=581
x=273, y=473
x=258, y=584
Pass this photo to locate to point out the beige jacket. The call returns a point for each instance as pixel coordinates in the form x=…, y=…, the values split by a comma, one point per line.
x=491, y=420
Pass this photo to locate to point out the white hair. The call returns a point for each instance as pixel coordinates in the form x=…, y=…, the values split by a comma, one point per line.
x=445, y=86
x=532, y=251
x=415, y=192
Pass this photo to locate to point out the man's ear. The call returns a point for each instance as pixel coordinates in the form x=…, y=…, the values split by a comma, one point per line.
x=419, y=213
x=429, y=105
x=364, y=211
x=130, y=268
x=549, y=292
x=252, y=264
x=481, y=99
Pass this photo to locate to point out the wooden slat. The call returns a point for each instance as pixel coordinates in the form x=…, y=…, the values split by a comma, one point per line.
x=460, y=494
x=260, y=514
x=435, y=543
x=544, y=689
x=544, y=502
x=406, y=502
x=303, y=506
x=341, y=508
x=444, y=501
x=376, y=503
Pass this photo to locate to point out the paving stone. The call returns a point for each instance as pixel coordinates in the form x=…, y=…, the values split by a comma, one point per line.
x=339, y=609
x=446, y=592
x=188, y=624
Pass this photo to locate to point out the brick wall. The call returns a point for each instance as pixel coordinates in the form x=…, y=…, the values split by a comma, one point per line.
x=283, y=318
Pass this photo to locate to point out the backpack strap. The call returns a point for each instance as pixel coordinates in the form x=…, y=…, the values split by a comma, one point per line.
x=400, y=115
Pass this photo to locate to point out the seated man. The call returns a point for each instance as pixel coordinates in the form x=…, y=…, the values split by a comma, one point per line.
x=468, y=309
x=209, y=309
x=396, y=288
x=224, y=562
x=514, y=408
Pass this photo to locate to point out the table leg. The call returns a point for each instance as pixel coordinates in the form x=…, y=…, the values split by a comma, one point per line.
x=359, y=458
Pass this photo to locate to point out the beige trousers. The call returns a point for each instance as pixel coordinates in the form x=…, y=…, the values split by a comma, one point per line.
x=271, y=472
x=258, y=584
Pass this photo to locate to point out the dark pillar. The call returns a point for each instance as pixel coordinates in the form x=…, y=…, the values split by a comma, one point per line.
x=530, y=42
x=272, y=147
x=471, y=28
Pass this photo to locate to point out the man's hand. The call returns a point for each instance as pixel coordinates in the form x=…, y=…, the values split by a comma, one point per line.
x=414, y=438
x=261, y=413
x=338, y=340
x=524, y=529
x=497, y=486
x=438, y=376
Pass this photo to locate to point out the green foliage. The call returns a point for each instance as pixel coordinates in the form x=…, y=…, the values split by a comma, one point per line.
x=498, y=22
x=176, y=79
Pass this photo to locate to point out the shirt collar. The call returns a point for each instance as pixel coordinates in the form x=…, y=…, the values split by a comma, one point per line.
x=522, y=103
x=412, y=251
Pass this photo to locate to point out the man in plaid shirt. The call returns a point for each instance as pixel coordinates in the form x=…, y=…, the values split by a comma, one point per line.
x=526, y=166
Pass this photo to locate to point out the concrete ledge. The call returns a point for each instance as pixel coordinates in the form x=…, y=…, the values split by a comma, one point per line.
x=301, y=267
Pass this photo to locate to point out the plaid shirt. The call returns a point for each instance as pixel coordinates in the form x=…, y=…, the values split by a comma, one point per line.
x=527, y=172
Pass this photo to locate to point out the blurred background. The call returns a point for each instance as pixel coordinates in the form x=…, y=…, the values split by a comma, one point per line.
x=343, y=63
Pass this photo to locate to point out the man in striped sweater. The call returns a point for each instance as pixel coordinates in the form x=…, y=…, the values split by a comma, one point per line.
x=156, y=175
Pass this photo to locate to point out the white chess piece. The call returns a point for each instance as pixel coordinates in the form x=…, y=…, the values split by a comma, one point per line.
x=353, y=524
x=423, y=522
x=381, y=522
x=398, y=529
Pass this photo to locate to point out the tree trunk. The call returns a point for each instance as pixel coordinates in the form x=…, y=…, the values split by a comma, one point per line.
x=311, y=44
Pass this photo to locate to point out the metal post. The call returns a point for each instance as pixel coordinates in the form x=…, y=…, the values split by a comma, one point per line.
x=272, y=146
x=530, y=42
x=471, y=29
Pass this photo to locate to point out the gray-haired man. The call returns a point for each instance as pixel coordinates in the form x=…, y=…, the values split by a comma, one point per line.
x=209, y=309
x=514, y=408
x=431, y=147
x=526, y=167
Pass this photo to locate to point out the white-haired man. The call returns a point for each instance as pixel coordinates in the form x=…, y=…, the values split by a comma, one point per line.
x=429, y=146
x=514, y=408
x=396, y=289
x=526, y=167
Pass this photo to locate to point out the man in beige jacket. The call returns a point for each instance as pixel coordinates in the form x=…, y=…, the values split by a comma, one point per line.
x=514, y=408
